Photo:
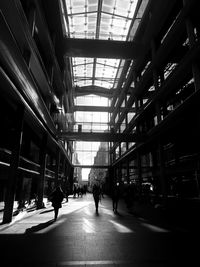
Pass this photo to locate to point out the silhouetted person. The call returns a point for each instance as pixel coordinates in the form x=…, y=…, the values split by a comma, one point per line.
x=56, y=198
x=74, y=191
x=67, y=191
x=115, y=196
x=102, y=191
x=96, y=191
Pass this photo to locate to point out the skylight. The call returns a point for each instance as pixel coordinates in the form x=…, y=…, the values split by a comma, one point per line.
x=103, y=74
x=97, y=19
x=96, y=79
x=106, y=19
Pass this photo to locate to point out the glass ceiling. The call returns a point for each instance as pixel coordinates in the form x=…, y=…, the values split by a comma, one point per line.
x=99, y=72
x=103, y=20
x=97, y=19
x=100, y=19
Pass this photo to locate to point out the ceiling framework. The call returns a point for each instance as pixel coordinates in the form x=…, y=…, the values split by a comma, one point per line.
x=97, y=39
x=104, y=137
x=101, y=48
x=92, y=89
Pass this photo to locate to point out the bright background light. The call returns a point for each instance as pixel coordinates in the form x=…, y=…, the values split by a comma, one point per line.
x=85, y=172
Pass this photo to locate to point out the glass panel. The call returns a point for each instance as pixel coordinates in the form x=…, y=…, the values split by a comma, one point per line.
x=86, y=127
x=123, y=148
x=116, y=119
x=104, y=117
x=101, y=158
x=138, y=17
x=104, y=31
x=83, y=71
x=92, y=100
x=130, y=116
x=115, y=19
x=104, y=84
x=86, y=116
x=85, y=174
x=106, y=70
x=123, y=104
x=123, y=126
x=82, y=16
x=92, y=121
x=89, y=153
x=117, y=153
x=131, y=144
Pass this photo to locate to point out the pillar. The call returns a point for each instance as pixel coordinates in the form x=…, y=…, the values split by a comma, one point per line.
x=57, y=168
x=162, y=172
x=139, y=173
x=128, y=171
x=14, y=163
x=192, y=41
x=43, y=161
x=155, y=79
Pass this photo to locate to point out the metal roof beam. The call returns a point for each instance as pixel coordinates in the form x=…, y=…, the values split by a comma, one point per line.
x=93, y=90
x=101, y=48
x=99, y=137
x=100, y=109
x=92, y=108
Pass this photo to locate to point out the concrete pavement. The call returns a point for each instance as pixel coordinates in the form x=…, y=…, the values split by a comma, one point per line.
x=80, y=237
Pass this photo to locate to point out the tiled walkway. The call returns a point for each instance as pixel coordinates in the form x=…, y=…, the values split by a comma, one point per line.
x=81, y=238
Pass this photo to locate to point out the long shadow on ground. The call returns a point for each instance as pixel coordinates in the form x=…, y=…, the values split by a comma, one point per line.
x=39, y=227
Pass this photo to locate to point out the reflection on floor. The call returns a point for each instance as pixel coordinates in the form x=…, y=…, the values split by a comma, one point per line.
x=80, y=237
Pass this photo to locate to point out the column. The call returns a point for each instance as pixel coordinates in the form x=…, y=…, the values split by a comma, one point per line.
x=43, y=160
x=162, y=172
x=57, y=168
x=155, y=79
x=139, y=173
x=192, y=41
x=128, y=172
x=14, y=163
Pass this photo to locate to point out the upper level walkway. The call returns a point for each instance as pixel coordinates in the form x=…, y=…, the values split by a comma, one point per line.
x=80, y=237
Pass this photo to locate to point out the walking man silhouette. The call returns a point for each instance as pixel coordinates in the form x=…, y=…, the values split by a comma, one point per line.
x=56, y=198
x=115, y=197
x=96, y=195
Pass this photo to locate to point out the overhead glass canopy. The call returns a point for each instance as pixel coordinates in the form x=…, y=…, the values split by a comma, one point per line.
x=99, y=72
x=108, y=20
x=97, y=19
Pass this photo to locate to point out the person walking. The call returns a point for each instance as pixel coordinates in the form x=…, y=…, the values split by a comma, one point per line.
x=56, y=198
x=115, y=197
x=74, y=190
x=67, y=192
x=96, y=191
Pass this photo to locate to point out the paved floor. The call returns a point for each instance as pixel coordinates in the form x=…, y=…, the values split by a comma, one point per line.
x=80, y=237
